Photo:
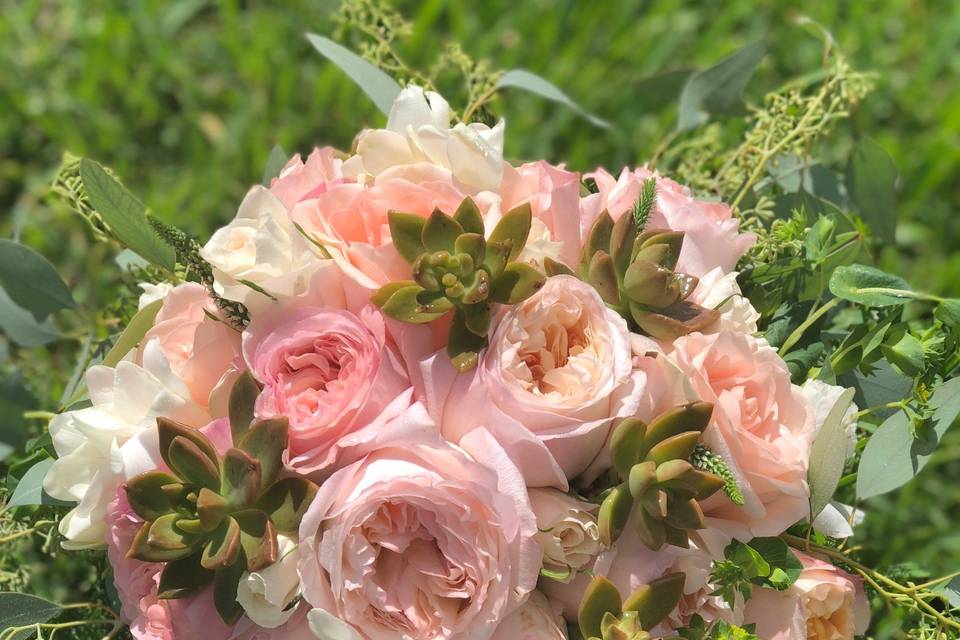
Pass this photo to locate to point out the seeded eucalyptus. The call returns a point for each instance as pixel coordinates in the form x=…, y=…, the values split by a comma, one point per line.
x=212, y=517
x=604, y=616
x=655, y=474
x=456, y=269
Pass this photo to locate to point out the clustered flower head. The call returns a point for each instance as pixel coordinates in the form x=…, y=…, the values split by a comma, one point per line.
x=470, y=400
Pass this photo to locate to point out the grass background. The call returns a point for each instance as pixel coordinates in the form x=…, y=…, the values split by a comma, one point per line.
x=184, y=99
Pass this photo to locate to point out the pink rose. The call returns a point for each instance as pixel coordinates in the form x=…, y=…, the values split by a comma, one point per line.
x=553, y=194
x=299, y=180
x=557, y=370
x=202, y=351
x=419, y=540
x=825, y=603
x=761, y=425
x=536, y=619
x=713, y=237
x=329, y=371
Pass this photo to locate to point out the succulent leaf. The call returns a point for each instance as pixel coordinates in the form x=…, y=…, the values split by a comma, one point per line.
x=440, y=232
x=654, y=601
x=468, y=216
x=243, y=397
x=286, y=502
x=266, y=441
x=406, y=231
x=183, y=578
x=223, y=547
x=146, y=496
x=168, y=429
x=240, y=484
x=614, y=513
x=598, y=239
x=600, y=598
x=518, y=282
x=626, y=444
x=258, y=537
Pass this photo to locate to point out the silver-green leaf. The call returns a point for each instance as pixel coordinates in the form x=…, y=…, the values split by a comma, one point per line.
x=531, y=82
x=381, y=88
x=718, y=90
x=828, y=456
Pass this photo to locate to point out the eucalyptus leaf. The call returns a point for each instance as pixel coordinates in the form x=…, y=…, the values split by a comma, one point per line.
x=872, y=181
x=829, y=455
x=30, y=491
x=22, y=327
x=24, y=610
x=531, y=82
x=124, y=214
x=275, y=163
x=882, y=386
x=138, y=326
x=31, y=281
x=894, y=456
x=381, y=88
x=718, y=90
x=869, y=286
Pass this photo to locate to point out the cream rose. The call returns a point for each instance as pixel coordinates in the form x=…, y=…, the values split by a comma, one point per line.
x=567, y=531
x=536, y=619
x=266, y=595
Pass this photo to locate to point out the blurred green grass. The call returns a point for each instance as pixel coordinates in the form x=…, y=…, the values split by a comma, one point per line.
x=185, y=99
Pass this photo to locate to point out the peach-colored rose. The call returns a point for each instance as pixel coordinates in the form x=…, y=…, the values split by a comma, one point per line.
x=762, y=426
x=719, y=290
x=536, y=619
x=329, y=371
x=299, y=180
x=712, y=235
x=202, y=351
x=421, y=540
x=825, y=603
x=553, y=194
x=557, y=370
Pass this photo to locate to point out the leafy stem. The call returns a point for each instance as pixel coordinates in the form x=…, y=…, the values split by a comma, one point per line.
x=815, y=314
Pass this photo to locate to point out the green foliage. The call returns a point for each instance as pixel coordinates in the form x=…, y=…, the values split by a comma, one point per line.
x=766, y=562
x=706, y=460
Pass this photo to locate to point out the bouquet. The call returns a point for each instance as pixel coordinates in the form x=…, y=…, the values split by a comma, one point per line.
x=413, y=390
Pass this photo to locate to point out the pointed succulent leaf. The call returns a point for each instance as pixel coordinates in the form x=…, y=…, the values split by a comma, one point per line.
x=626, y=444
x=189, y=462
x=674, y=321
x=165, y=534
x=496, y=256
x=685, y=514
x=477, y=318
x=176, y=492
x=381, y=295
x=672, y=470
x=654, y=602
x=240, y=482
x=654, y=253
x=440, y=232
x=678, y=446
x=554, y=268
x=141, y=549
x=223, y=546
x=406, y=231
x=614, y=513
x=650, y=530
x=192, y=526
x=476, y=288
x=599, y=598
x=694, y=416
x=651, y=285
x=687, y=284
x=146, y=497
x=622, y=235
x=472, y=244
x=258, y=537
x=468, y=216
x=655, y=502
x=225, y=583
x=598, y=239
x=513, y=229
x=602, y=276
x=434, y=302
x=286, y=502
x=243, y=397
x=642, y=476
x=265, y=442
x=676, y=537
x=183, y=578
x=672, y=240
x=518, y=282
x=463, y=346
x=404, y=306
x=168, y=429
x=211, y=509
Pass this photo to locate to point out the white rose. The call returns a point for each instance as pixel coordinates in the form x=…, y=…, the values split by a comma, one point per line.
x=567, y=530
x=822, y=397
x=719, y=290
x=266, y=594
x=153, y=292
x=96, y=445
x=418, y=130
x=261, y=246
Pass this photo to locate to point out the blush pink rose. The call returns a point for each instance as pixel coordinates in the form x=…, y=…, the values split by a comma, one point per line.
x=713, y=237
x=553, y=193
x=329, y=371
x=421, y=540
x=202, y=351
x=825, y=603
x=536, y=619
x=299, y=180
x=557, y=371
x=762, y=425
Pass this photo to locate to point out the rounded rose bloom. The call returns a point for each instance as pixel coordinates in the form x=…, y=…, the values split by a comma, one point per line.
x=202, y=351
x=536, y=619
x=567, y=530
x=712, y=235
x=825, y=603
x=557, y=370
x=761, y=425
x=329, y=371
x=419, y=540
x=299, y=180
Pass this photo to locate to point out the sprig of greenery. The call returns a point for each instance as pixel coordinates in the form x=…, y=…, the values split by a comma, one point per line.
x=706, y=460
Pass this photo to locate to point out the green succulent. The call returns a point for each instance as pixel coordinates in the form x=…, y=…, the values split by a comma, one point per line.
x=603, y=615
x=633, y=271
x=212, y=517
x=652, y=464
x=456, y=269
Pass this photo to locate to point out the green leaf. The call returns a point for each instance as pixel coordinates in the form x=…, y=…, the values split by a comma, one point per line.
x=785, y=567
x=265, y=442
x=22, y=327
x=140, y=323
x=380, y=87
x=183, y=577
x=124, y=214
x=518, y=282
x=468, y=216
x=828, y=456
x=948, y=312
x=146, y=497
x=31, y=281
x=225, y=583
x=718, y=90
x=600, y=597
x=869, y=286
x=512, y=230
x=286, y=502
x=243, y=398
x=893, y=456
x=531, y=82
x=463, y=346
x=258, y=537
x=614, y=513
x=906, y=354
x=882, y=386
x=654, y=601
x=191, y=464
x=30, y=491
x=404, y=305
x=275, y=163
x=440, y=232
x=22, y=610
x=872, y=181
x=240, y=480
x=406, y=231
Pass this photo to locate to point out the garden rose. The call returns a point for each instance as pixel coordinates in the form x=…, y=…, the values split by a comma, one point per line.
x=418, y=130
x=719, y=290
x=761, y=425
x=712, y=235
x=202, y=351
x=329, y=371
x=536, y=619
x=299, y=180
x=266, y=594
x=419, y=540
x=825, y=603
x=567, y=530
x=557, y=370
